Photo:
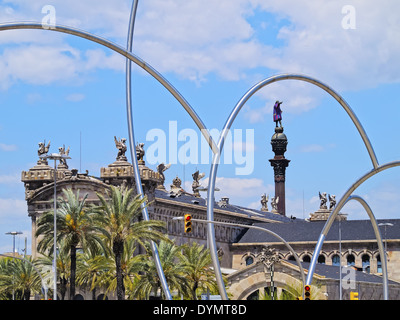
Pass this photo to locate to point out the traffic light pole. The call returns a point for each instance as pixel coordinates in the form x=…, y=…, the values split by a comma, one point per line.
x=303, y=279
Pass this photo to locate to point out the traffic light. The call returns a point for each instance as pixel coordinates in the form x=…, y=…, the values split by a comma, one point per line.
x=307, y=292
x=353, y=295
x=188, y=223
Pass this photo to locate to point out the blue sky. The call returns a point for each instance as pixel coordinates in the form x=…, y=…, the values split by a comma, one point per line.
x=61, y=88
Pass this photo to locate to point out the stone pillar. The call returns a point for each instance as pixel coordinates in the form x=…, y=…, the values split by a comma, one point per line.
x=279, y=163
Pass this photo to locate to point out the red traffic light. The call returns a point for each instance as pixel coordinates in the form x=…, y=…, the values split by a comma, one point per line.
x=188, y=223
x=307, y=293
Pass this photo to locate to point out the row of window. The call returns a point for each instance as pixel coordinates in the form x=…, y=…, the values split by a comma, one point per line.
x=350, y=259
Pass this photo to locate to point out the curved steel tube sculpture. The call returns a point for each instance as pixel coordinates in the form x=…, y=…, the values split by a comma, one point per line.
x=135, y=59
x=227, y=126
x=336, y=210
x=151, y=71
x=138, y=180
x=379, y=240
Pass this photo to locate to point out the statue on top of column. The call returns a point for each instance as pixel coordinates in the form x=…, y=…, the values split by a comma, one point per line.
x=278, y=113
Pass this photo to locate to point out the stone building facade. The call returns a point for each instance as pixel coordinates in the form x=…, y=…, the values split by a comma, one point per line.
x=238, y=248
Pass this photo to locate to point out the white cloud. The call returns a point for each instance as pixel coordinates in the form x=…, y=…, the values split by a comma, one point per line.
x=13, y=208
x=8, y=147
x=75, y=97
x=240, y=188
x=10, y=179
x=196, y=38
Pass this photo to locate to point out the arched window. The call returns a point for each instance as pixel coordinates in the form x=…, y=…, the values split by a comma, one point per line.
x=306, y=258
x=292, y=258
x=378, y=264
x=249, y=261
x=351, y=260
x=336, y=260
x=365, y=263
x=321, y=259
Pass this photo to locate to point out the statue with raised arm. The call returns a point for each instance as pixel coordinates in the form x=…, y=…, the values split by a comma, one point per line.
x=278, y=113
x=121, y=146
x=323, y=200
x=264, y=202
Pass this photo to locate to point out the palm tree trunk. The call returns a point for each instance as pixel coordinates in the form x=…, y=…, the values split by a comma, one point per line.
x=118, y=248
x=73, y=273
x=27, y=294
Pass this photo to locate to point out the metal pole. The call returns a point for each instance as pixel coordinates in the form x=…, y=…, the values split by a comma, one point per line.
x=138, y=181
x=340, y=259
x=55, y=234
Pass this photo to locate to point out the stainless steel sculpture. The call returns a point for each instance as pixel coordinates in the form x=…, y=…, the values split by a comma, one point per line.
x=135, y=59
x=145, y=66
x=132, y=147
x=220, y=145
x=216, y=149
x=339, y=206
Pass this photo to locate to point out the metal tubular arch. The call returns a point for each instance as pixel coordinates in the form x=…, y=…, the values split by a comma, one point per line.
x=225, y=130
x=154, y=74
x=336, y=210
x=138, y=182
x=378, y=239
x=135, y=59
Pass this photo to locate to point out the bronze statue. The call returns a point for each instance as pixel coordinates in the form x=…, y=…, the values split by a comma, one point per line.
x=140, y=152
x=278, y=113
x=121, y=146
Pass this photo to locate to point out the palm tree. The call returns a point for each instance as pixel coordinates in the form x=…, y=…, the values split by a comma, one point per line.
x=92, y=266
x=74, y=227
x=174, y=272
x=18, y=278
x=63, y=267
x=118, y=220
x=131, y=265
x=196, y=260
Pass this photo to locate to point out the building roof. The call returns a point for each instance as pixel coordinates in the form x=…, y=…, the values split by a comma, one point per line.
x=333, y=272
x=301, y=230
x=186, y=198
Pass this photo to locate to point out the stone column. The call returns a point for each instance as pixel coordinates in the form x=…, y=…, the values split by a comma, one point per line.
x=279, y=163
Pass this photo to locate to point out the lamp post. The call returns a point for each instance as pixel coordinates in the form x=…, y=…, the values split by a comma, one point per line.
x=14, y=233
x=55, y=157
x=385, y=224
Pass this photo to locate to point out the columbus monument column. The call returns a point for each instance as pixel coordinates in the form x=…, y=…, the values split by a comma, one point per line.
x=279, y=162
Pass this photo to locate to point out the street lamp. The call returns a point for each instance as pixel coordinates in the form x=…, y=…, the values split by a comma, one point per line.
x=14, y=233
x=385, y=224
x=55, y=157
